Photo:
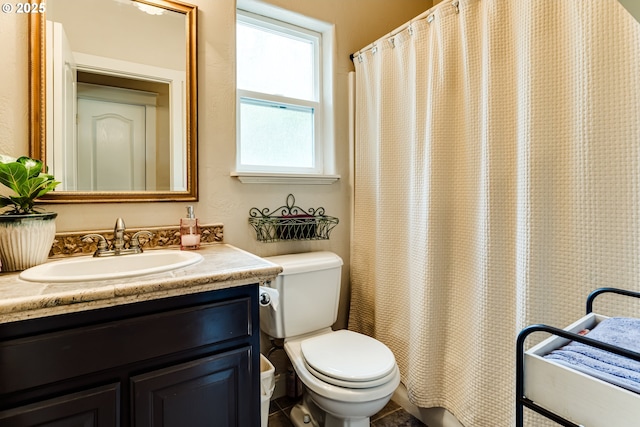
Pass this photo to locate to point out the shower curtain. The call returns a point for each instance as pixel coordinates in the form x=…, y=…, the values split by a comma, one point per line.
x=497, y=182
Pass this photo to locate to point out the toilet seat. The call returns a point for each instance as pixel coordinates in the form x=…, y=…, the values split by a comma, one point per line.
x=349, y=384
x=348, y=359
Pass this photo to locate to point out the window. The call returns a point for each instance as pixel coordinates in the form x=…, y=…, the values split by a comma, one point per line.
x=282, y=127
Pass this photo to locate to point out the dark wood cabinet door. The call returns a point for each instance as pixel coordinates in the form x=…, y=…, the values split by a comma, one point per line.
x=207, y=392
x=97, y=407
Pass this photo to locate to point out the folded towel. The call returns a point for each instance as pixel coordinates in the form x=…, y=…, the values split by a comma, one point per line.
x=618, y=370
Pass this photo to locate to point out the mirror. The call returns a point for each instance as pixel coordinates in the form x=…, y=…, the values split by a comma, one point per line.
x=113, y=99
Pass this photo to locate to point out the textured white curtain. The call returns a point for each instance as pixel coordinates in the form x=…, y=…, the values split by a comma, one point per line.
x=497, y=182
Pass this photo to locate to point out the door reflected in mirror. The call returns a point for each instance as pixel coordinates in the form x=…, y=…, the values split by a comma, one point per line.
x=118, y=77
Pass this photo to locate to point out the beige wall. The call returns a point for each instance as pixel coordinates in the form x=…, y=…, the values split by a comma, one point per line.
x=222, y=198
x=633, y=6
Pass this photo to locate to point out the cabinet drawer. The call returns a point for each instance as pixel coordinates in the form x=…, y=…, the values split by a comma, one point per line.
x=46, y=358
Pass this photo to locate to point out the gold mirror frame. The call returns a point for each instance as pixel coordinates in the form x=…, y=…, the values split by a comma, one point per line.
x=37, y=114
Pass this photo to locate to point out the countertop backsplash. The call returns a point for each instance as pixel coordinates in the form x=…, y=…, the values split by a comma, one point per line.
x=71, y=243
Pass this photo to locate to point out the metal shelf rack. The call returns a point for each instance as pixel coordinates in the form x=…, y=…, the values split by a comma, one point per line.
x=290, y=222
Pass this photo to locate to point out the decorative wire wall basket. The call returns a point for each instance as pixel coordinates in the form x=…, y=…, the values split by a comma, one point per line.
x=291, y=222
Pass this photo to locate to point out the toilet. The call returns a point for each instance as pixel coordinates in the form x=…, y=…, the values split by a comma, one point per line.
x=348, y=377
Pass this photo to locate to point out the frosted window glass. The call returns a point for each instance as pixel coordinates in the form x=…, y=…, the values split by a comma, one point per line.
x=274, y=63
x=276, y=136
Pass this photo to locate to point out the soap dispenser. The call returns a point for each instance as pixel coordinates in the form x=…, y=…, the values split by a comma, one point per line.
x=189, y=231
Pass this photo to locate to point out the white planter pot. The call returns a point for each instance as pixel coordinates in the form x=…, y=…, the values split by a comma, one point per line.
x=25, y=240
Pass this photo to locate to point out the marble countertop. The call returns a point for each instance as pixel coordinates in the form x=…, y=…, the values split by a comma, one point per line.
x=224, y=266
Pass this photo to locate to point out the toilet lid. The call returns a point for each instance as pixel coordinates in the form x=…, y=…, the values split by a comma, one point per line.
x=348, y=356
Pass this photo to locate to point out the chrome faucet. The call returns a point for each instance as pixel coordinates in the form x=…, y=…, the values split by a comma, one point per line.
x=118, y=245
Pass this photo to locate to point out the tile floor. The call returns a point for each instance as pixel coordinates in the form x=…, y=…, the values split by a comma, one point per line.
x=392, y=415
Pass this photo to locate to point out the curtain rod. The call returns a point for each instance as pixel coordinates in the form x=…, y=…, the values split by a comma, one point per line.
x=426, y=13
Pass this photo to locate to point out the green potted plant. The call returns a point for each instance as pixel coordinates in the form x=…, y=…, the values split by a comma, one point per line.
x=26, y=233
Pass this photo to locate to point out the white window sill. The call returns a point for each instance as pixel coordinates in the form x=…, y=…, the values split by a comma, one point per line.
x=283, y=178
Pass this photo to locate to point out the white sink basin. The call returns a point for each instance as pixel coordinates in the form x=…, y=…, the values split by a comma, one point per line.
x=113, y=267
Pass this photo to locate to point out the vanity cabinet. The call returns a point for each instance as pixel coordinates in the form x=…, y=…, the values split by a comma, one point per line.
x=190, y=360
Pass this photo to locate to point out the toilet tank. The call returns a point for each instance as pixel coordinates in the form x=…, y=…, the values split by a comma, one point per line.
x=308, y=291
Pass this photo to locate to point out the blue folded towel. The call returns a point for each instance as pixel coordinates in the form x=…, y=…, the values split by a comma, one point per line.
x=609, y=367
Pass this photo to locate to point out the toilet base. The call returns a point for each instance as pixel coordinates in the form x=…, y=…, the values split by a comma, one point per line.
x=307, y=414
x=300, y=417
x=331, y=421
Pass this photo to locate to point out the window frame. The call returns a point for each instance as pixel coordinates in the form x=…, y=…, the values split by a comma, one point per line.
x=322, y=121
